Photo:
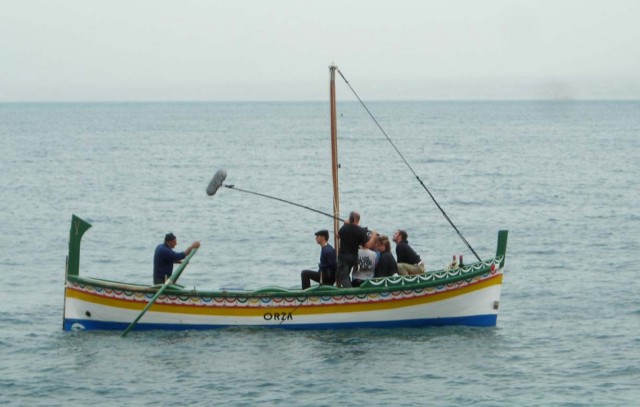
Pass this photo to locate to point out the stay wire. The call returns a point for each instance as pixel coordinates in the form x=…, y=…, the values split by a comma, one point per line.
x=410, y=168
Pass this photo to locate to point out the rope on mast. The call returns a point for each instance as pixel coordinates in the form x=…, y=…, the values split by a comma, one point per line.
x=410, y=168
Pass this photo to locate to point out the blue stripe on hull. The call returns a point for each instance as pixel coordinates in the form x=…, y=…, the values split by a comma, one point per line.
x=477, y=320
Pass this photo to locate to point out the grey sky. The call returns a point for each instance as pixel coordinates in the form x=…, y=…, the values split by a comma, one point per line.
x=93, y=50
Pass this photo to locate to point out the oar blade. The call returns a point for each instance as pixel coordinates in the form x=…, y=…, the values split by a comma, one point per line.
x=216, y=182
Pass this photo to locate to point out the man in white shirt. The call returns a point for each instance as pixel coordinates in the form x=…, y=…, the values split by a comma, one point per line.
x=367, y=260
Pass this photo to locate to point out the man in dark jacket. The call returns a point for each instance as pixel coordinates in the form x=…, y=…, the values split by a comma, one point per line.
x=164, y=257
x=352, y=236
x=326, y=274
x=386, y=266
x=409, y=263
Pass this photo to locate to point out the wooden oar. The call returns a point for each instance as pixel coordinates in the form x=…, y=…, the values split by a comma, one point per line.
x=170, y=281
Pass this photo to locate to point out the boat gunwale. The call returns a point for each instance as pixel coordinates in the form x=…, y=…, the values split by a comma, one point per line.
x=398, y=283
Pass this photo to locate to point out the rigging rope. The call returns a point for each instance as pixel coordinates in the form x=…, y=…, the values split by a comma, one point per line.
x=410, y=168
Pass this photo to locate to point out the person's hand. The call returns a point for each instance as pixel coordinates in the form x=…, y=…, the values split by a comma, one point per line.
x=195, y=245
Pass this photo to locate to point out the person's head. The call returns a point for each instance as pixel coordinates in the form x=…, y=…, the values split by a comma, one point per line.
x=354, y=217
x=170, y=240
x=383, y=244
x=399, y=236
x=322, y=236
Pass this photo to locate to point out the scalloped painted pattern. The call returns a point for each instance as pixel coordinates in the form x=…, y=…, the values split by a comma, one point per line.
x=396, y=292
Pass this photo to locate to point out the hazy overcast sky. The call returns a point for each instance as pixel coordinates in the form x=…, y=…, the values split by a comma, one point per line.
x=113, y=50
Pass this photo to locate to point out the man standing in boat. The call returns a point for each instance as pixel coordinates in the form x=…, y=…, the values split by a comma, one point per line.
x=164, y=258
x=326, y=273
x=352, y=236
x=409, y=263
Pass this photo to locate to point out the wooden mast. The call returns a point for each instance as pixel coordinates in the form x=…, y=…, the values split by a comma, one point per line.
x=334, y=156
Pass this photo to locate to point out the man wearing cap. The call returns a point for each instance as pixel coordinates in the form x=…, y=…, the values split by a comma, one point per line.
x=326, y=274
x=164, y=258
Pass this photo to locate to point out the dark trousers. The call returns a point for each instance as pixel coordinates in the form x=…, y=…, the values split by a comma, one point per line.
x=345, y=264
x=307, y=275
x=160, y=278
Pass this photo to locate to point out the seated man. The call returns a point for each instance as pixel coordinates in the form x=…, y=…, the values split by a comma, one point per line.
x=326, y=273
x=409, y=263
x=387, y=265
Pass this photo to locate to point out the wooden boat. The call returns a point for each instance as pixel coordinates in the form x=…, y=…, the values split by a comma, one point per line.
x=467, y=295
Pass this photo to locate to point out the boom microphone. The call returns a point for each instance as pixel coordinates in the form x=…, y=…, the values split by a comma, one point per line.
x=216, y=182
x=221, y=175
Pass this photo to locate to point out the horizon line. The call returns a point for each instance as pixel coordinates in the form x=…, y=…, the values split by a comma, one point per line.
x=323, y=100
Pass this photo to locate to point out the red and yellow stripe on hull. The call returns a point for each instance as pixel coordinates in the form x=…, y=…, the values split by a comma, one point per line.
x=474, y=302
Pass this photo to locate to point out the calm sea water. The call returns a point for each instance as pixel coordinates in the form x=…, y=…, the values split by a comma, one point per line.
x=561, y=176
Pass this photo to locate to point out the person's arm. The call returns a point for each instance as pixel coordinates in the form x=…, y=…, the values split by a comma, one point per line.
x=327, y=259
x=401, y=252
x=372, y=240
x=168, y=254
x=194, y=245
x=332, y=259
x=378, y=270
x=394, y=267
